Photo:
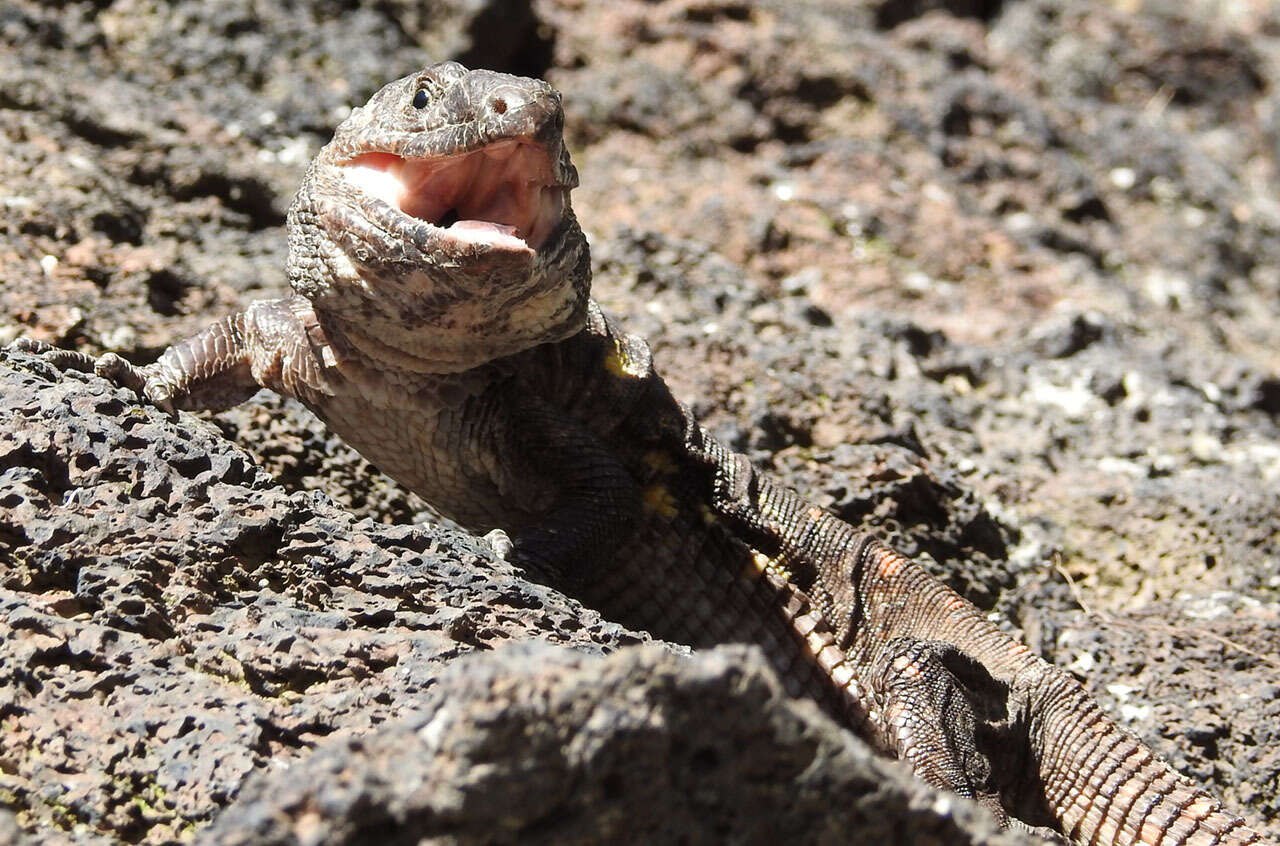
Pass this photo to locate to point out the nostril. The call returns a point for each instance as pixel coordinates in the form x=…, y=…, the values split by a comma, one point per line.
x=499, y=105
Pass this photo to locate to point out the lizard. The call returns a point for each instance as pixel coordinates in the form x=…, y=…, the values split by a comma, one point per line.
x=440, y=322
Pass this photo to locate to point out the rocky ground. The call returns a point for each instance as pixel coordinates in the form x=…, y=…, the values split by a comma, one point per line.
x=999, y=280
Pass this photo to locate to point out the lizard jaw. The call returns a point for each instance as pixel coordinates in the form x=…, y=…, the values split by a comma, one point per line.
x=503, y=196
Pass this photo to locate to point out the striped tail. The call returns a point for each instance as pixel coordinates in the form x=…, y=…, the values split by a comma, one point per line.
x=1105, y=786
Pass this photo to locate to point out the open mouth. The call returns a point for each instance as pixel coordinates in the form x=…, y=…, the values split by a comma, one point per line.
x=504, y=195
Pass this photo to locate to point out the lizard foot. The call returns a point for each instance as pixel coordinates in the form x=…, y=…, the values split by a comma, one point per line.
x=118, y=371
x=944, y=714
x=109, y=366
x=526, y=553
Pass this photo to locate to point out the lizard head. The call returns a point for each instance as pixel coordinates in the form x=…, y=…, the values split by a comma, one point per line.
x=437, y=221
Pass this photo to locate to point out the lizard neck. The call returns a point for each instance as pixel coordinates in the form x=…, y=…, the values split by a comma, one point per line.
x=468, y=337
x=356, y=344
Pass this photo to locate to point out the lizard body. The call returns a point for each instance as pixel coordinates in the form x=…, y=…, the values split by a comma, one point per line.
x=441, y=324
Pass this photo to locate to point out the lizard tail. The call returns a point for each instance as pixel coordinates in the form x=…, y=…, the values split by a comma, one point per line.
x=1106, y=786
x=1100, y=783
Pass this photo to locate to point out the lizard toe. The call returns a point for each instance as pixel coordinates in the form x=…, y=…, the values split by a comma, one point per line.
x=58, y=357
x=28, y=345
x=120, y=372
x=501, y=543
x=115, y=369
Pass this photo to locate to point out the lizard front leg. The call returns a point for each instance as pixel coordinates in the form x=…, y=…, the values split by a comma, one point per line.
x=273, y=344
x=933, y=708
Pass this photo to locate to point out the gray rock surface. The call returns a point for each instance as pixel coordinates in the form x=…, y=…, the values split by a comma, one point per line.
x=173, y=621
x=530, y=744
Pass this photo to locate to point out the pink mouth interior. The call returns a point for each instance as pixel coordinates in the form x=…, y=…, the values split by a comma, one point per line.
x=501, y=195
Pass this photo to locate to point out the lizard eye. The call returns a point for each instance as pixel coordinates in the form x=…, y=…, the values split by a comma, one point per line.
x=420, y=99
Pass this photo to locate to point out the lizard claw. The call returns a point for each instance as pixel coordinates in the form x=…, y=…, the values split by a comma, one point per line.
x=115, y=369
x=118, y=371
x=501, y=543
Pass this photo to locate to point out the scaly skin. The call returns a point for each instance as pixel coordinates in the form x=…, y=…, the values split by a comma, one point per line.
x=469, y=364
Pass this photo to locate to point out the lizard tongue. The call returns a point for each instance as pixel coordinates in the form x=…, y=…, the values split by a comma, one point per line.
x=484, y=232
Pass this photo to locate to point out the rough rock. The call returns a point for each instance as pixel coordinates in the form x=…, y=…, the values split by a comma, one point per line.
x=543, y=745
x=174, y=621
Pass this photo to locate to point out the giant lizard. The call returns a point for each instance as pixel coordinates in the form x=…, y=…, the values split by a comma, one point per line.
x=441, y=324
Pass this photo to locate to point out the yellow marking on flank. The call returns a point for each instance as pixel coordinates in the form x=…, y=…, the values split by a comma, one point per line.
x=618, y=364
x=660, y=461
x=658, y=500
x=773, y=566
